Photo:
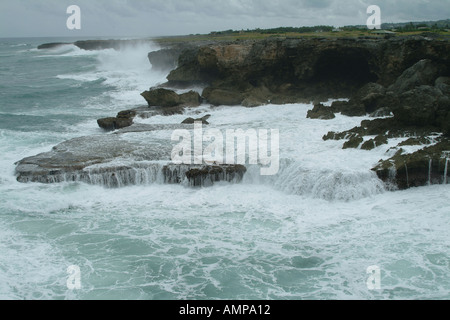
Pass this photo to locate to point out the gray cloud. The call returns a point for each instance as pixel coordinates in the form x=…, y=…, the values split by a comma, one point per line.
x=172, y=17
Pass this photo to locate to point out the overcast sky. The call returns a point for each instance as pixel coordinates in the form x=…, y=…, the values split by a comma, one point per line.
x=133, y=18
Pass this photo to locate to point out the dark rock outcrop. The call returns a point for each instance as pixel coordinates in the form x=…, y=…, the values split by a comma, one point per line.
x=52, y=45
x=122, y=120
x=365, y=101
x=219, y=97
x=353, y=143
x=111, y=124
x=443, y=84
x=190, y=99
x=421, y=168
x=321, y=112
x=165, y=98
x=161, y=98
x=424, y=72
x=421, y=106
x=165, y=59
x=109, y=44
x=374, y=143
x=207, y=175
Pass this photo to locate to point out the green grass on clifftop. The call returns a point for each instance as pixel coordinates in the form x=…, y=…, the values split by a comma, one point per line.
x=217, y=37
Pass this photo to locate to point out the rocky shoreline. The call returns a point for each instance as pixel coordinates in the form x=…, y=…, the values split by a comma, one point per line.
x=403, y=83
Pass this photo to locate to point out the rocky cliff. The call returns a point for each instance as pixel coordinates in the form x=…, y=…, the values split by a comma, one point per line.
x=295, y=70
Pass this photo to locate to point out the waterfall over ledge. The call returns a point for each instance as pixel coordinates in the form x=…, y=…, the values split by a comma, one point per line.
x=121, y=159
x=329, y=184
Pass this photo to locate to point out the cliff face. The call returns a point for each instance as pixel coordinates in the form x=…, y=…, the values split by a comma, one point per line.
x=290, y=70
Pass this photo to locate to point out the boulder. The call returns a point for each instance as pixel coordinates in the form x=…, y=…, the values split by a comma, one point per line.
x=370, y=96
x=321, y=112
x=418, y=107
x=424, y=72
x=127, y=114
x=220, y=97
x=166, y=98
x=111, y=124
x=349, y=108
x=161, y=98
x=190, y=99
x=257, y=96
x=443, y=84
x=122, y=120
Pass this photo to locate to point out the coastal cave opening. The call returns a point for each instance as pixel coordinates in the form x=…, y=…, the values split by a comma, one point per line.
x=344, y=69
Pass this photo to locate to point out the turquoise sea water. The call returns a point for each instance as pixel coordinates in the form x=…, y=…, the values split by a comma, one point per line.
x=310, y=232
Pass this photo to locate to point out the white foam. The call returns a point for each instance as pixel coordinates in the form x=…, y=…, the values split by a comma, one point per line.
x=127, y=70
x=87, y=77
x=130, y=71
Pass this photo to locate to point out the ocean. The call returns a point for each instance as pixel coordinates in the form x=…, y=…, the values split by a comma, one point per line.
x=316, y=230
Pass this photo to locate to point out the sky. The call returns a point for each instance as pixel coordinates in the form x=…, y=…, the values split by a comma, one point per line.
x=149, y=18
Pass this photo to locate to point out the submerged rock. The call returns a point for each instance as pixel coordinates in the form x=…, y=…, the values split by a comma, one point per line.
x=203, y=120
